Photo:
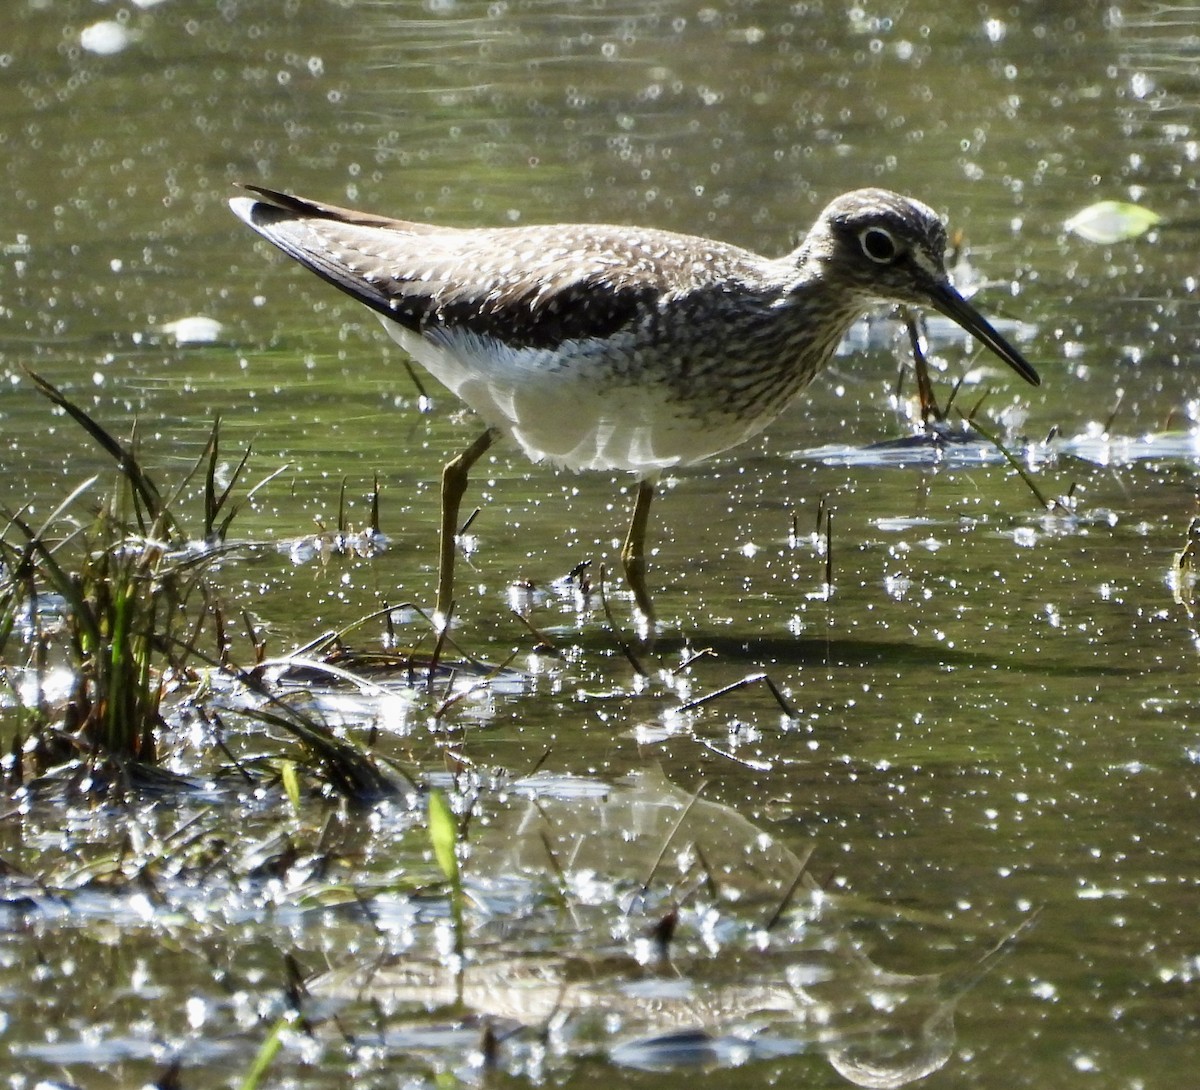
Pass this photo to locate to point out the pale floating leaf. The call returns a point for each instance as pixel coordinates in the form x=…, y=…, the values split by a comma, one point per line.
x=105, y=37
x=194, y=330
x=1106, y=222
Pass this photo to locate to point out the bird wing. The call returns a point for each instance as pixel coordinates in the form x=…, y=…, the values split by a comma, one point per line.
x=532, y=287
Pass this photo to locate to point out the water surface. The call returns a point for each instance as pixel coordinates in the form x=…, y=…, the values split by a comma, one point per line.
x=996, y=709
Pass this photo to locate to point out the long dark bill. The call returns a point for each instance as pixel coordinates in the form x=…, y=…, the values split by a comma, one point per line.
x=944, y=298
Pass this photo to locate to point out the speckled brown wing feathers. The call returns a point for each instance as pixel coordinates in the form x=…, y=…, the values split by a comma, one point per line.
x=532, y=287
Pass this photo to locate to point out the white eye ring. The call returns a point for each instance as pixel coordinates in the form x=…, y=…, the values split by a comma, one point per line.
x=879, y=244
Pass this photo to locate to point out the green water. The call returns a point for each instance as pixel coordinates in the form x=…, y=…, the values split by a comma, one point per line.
x=996, y=709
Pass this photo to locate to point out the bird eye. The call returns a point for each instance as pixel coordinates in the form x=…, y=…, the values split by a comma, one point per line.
x=878, y=244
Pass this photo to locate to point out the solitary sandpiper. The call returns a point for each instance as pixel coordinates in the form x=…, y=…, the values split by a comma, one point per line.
x=620, y=348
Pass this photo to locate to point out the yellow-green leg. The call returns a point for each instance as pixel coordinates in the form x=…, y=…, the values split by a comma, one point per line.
x=633, y=552
x=454, y=484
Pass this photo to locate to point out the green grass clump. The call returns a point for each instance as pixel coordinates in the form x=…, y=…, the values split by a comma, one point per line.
x=112, y=591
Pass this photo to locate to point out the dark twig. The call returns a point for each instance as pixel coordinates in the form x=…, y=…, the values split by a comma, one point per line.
x=1011, y=459
x=829, y=551
x=683, y=814
x=790, y=892
x=626, y=650
x=708, y=698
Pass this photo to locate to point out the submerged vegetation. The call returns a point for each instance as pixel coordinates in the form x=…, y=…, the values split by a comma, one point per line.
x=113, y=609
x=130, y=682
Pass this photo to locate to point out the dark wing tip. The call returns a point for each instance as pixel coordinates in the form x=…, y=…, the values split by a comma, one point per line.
x=258, y=209
x=289, y=224
x=273, y=205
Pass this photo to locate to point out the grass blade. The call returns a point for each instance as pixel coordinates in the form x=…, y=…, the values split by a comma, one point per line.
x=144, y=488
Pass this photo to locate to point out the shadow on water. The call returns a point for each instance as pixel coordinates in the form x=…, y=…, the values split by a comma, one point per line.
x=842, y=652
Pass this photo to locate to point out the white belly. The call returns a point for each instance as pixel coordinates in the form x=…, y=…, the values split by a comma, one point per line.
x=553, y=405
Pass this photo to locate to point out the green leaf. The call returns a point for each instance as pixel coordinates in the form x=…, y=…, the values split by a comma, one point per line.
x=267, y=1052
x=1107, y=222
x=291, y=783
x=443, y=834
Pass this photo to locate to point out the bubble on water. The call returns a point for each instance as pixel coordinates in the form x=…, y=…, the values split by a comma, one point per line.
x=197, y=1012
x=1043, y=989
x=1025, y=536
